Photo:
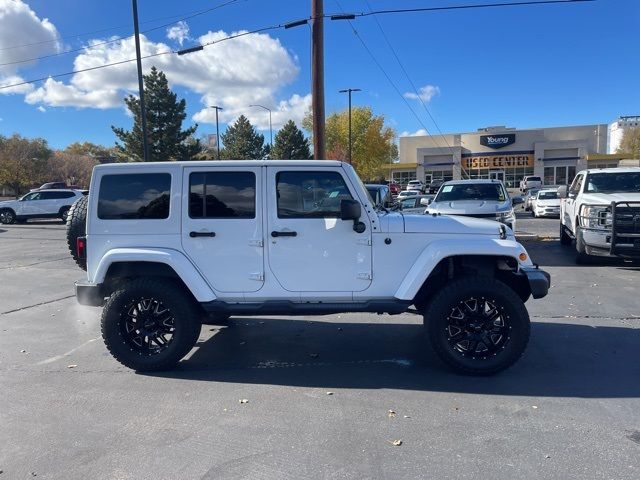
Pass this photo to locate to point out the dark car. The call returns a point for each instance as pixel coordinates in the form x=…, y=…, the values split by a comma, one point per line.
x=55, y=185
x=435, y=185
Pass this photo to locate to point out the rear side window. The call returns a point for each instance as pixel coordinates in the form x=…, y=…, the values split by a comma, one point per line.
x=58, y=195
x=222, y=195
x=136, y=196
x=310, y=194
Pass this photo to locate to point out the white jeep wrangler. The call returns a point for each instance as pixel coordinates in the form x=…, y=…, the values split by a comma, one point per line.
x=601, y=211
x=168, y=243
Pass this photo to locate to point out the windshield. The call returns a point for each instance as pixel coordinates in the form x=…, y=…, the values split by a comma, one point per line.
x=547, y=195
x=373, y=193
x=471, y=191
x=613, y=182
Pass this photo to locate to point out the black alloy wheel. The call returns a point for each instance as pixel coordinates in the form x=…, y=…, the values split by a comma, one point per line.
x=148, y=326
x=7, y=217
x=477, y=328
x=477, y=325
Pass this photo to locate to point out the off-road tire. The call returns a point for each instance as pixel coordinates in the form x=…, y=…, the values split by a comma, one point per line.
x=77, y=227
x=565, y=238
x=512, y=311
x=7, y=216
x=186, y=318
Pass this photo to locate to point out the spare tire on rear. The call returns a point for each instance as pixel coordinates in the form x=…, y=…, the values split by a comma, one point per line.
x=77, y=227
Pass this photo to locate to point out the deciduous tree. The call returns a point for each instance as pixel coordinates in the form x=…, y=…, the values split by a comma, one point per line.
x=630, y=143
x=23, y=162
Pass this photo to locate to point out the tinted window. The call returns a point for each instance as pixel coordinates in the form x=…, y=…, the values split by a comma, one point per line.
x=32, y=196
x=627, y=182
x=471, y=191
x=222, y=195
x=310, y=194
x=134, y=196
x=547, y=195
x=56, y=195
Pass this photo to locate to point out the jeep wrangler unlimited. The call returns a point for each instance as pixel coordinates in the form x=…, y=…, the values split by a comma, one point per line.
x=168, y=243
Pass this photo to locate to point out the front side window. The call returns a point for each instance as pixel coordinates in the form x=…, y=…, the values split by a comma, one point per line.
x=471, y=191
x=576, y=185
x=135, y=196
x=627, y=182
x=32, y=196
x=222, y=195
x=310, y=194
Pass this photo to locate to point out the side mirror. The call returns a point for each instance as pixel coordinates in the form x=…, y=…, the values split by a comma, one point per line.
x=352, y=210
x=425, y=202
x=517, y=201
x=562, y=191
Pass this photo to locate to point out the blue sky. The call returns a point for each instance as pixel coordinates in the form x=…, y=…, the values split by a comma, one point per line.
x=521, y=66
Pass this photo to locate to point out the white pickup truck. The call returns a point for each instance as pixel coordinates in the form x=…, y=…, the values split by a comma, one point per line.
x=601, y=211
x=529, y=182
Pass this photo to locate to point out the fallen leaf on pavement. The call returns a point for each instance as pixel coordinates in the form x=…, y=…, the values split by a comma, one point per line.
x=396, y=443
x=329, y=393
x=243, y=400
x=73, y=365
x=391, y=414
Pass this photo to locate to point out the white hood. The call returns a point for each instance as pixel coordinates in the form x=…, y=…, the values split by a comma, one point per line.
x=607, y=198
x=469, y=207
x=8, y=203
x=439, y=224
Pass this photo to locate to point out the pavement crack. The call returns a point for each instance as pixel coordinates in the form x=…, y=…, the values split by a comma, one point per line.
x=36, y=305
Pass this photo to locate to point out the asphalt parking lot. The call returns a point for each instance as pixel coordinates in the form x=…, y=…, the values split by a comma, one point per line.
x=319, y=390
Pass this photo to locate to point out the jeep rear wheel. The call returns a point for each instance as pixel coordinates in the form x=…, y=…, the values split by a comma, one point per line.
x=477, y=325
x=7, y=217
x=76, y=227
x=149, y=324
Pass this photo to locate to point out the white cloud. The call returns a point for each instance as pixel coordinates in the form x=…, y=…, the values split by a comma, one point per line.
x=418, y=133
x=233, y=74
x=425, y=93
x=23, y=36
x=42, y=109
x=179, y=32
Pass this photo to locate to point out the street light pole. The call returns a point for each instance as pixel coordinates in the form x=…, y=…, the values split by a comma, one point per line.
x=217, y=128
x=348, y=91
x=143, y=110
x=270, y=126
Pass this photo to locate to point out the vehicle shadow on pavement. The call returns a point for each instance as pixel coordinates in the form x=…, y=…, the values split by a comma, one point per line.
x=562, y=360
x=549, y=253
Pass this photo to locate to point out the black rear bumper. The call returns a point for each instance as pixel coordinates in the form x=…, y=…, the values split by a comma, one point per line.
x=89, y=294
x=539, y=281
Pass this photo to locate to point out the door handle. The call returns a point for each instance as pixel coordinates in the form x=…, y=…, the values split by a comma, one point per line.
x=202, y=234
x=284, y=234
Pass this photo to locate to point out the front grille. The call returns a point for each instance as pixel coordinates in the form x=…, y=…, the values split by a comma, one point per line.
x=625, y=234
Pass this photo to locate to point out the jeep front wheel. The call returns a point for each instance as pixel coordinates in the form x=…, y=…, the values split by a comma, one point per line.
x=477, y=325
x=149, y=324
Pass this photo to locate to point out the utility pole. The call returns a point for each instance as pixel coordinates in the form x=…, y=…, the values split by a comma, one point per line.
x=317, y=78
x=217, y=128
x=143, y=110
x=349, y=90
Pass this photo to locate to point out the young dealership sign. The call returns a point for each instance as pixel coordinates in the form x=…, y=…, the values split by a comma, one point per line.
x=498, y=141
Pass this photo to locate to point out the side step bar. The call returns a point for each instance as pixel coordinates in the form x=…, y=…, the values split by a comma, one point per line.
x=279, y=307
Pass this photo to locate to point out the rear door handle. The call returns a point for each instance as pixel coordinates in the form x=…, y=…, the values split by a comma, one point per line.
x=202, y=234
x=284, y=234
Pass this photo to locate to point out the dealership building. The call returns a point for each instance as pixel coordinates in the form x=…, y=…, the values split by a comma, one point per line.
x=506, y=154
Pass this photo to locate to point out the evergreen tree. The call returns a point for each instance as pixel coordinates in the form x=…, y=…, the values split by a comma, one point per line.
x=290, y=144
x=242, y=142
x=167, y=140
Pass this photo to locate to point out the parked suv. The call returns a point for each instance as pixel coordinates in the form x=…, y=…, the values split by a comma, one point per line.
x=416, y=185
x=475, y=198
x=601, y=211
x=167, y=243
x=39, y=204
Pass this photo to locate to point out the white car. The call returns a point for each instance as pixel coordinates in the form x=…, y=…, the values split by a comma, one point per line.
x=475, y=198
x=407, y=193
x=39, y=204
x=416, y=185
x=167, y=242
x=546, y=203
x=601, y=211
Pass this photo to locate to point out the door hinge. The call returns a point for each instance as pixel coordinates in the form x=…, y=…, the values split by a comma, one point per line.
x=363, y=241
x=364, y=275
x=255, y=243
x=256, y=276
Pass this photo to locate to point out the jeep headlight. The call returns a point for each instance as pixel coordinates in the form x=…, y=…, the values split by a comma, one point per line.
x=595, y=217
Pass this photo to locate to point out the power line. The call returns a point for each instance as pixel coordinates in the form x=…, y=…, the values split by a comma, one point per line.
x=418, y=96
x=117, y=39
